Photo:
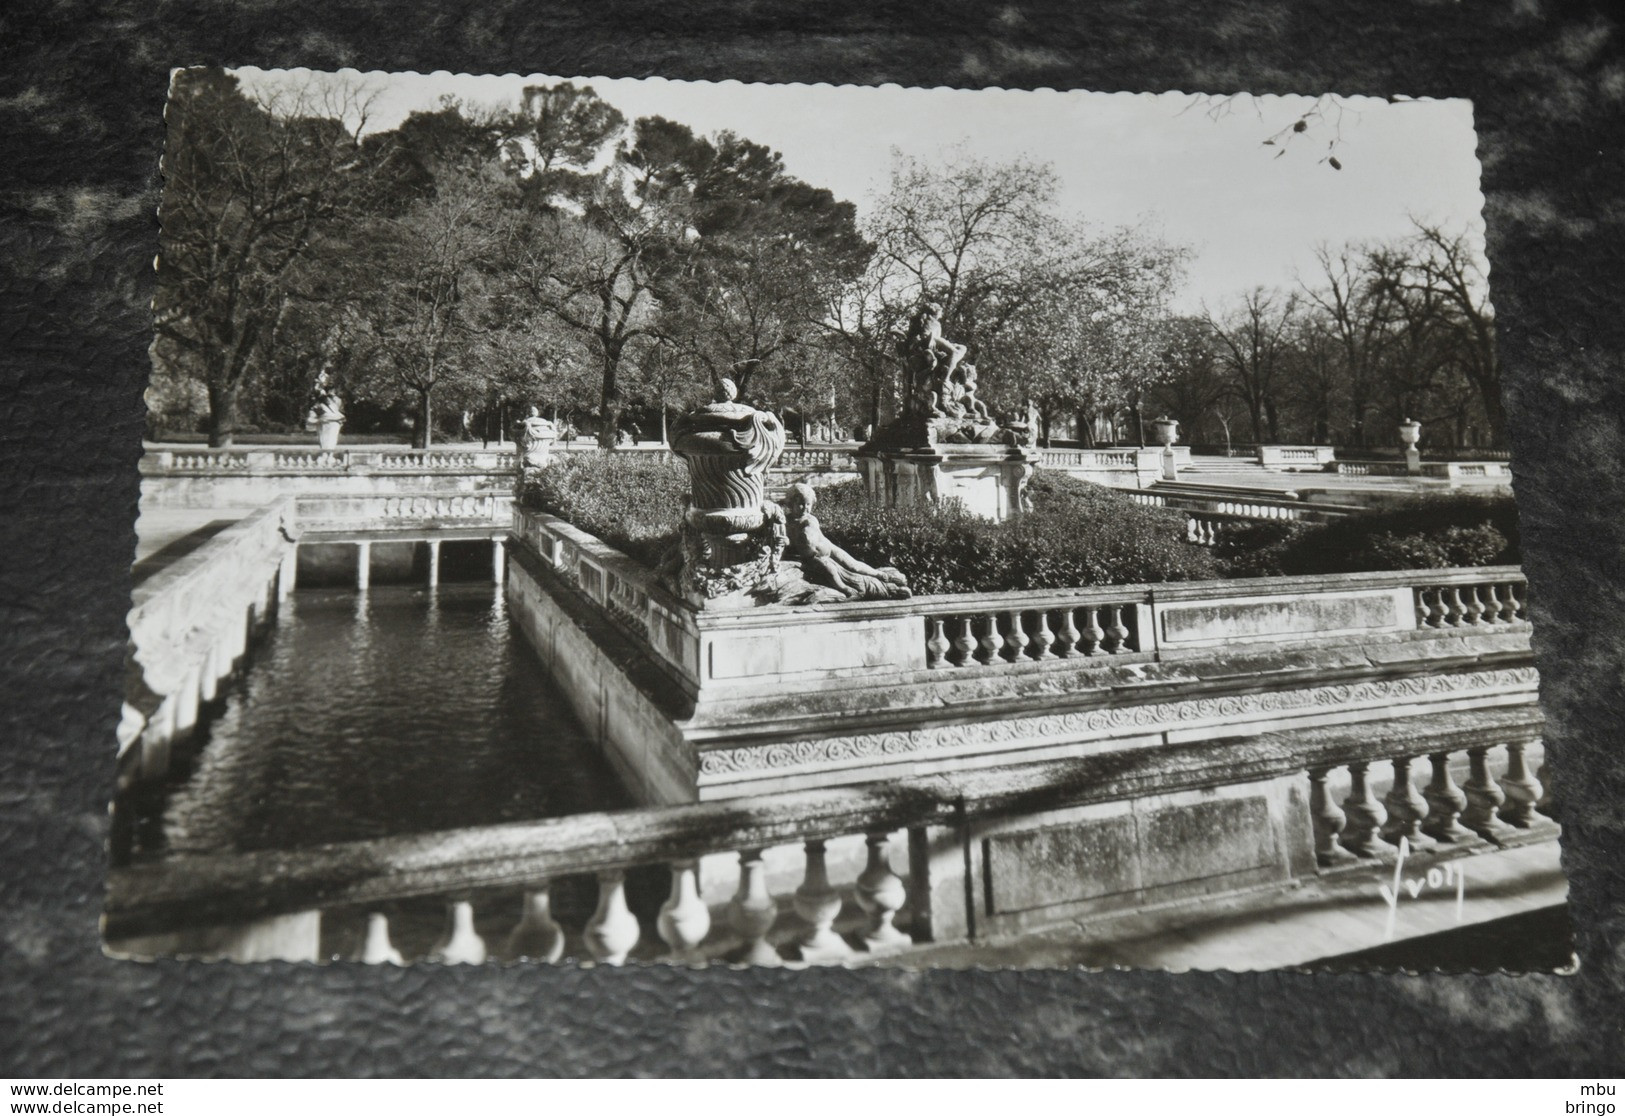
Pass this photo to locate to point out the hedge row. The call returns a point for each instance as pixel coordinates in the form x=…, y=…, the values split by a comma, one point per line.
x=1077, y=533
x=633, y=501
x=1416, y=533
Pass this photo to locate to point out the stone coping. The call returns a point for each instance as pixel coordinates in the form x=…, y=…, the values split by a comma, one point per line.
x=250, y=530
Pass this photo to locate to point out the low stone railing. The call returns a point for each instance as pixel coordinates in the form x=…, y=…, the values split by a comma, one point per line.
x=305, y=460
x=1296, y=457
x=1036, y=627
x=842, y=875
x=1207, y=515
x=1436, y=470
x=404, y=511
x=191, y=623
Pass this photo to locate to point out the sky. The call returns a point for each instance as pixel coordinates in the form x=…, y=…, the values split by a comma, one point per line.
x=1193, y=170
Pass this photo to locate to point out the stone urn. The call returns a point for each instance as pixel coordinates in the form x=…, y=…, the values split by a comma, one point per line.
x=1410, y=432
x=1164, y=430
x=729, y=447
x=536, y=438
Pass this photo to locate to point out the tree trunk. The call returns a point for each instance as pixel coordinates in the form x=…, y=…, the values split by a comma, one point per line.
x=609, y=405
x=222, y=416
x=423, y=436
x=663, y=439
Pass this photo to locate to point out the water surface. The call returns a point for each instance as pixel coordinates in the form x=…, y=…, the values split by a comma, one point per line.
x=402, y=710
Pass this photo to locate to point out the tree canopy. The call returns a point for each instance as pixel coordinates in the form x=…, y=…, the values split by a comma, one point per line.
x=473, y=260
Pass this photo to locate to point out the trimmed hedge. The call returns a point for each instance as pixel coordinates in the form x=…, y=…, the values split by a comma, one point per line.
x=1077, y=533
x=633, y=501
x=1417, y=533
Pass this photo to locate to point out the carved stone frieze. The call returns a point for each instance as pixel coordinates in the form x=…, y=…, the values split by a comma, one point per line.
x=1062, y=727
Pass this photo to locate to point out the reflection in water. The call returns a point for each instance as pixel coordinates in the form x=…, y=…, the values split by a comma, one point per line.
x=396, y=711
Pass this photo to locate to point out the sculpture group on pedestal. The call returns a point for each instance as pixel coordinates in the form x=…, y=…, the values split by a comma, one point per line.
x=734, y=538
x=940, y=394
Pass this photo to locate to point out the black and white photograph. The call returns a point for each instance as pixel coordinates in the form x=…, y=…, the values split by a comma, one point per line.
x=621, y=521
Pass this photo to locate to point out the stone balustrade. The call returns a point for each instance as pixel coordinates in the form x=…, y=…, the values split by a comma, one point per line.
x=1432, y=799
x=1037, y=628
x=305, y=460
x=1313, y=458
x=840, y=875
x=705, y=703
x=1467, y=599
x=1207, y=513
x=422, y=511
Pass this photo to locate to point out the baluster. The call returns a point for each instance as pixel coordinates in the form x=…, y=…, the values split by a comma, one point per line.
x=376, y=948
x=1328, y=822
x=1093, y=635
x=1453, y=607
x=1472, y=607
x=753, y=911
x=1362, y=813
x=1406, y=809
x=1445, y=804
x=613, y=929
x=965, y=644
x=1015, y=640
x=881, y=894
x=1492, y=605
x=536, y=936
x=1546, y=804
x=936, y=645
x=1484, y=797
x=1043, y=639
x=987, y=648
x=1517, y=606
x=1116, y=631
x=1193, y=527
x=1424, y=612
x=1066, y=640
x=820, y=905
x=1521, y=789
x=462, y=944
x=684, y=918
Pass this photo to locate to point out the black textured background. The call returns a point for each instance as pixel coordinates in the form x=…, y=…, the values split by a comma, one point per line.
x=81, y=85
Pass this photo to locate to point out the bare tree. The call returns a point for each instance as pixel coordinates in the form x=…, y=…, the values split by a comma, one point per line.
x=1254, y=339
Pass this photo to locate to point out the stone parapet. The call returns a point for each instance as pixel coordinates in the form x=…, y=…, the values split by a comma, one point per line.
x=778, y=697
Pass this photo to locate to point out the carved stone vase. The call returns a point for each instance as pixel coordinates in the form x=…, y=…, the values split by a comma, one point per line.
x=729, y=447
x=1410, y=432
x=1165, y=431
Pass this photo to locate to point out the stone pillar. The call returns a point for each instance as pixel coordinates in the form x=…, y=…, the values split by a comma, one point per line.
x=287, y=574
x=434, y=563
x=499, y=561
x=363, y=565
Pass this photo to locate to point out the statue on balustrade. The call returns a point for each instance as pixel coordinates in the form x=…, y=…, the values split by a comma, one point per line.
x=536, y=438
x=326, y=411
x=823, y=563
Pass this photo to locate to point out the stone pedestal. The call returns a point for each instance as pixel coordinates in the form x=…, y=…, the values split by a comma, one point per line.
x=991, y=481
x=327, y=433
